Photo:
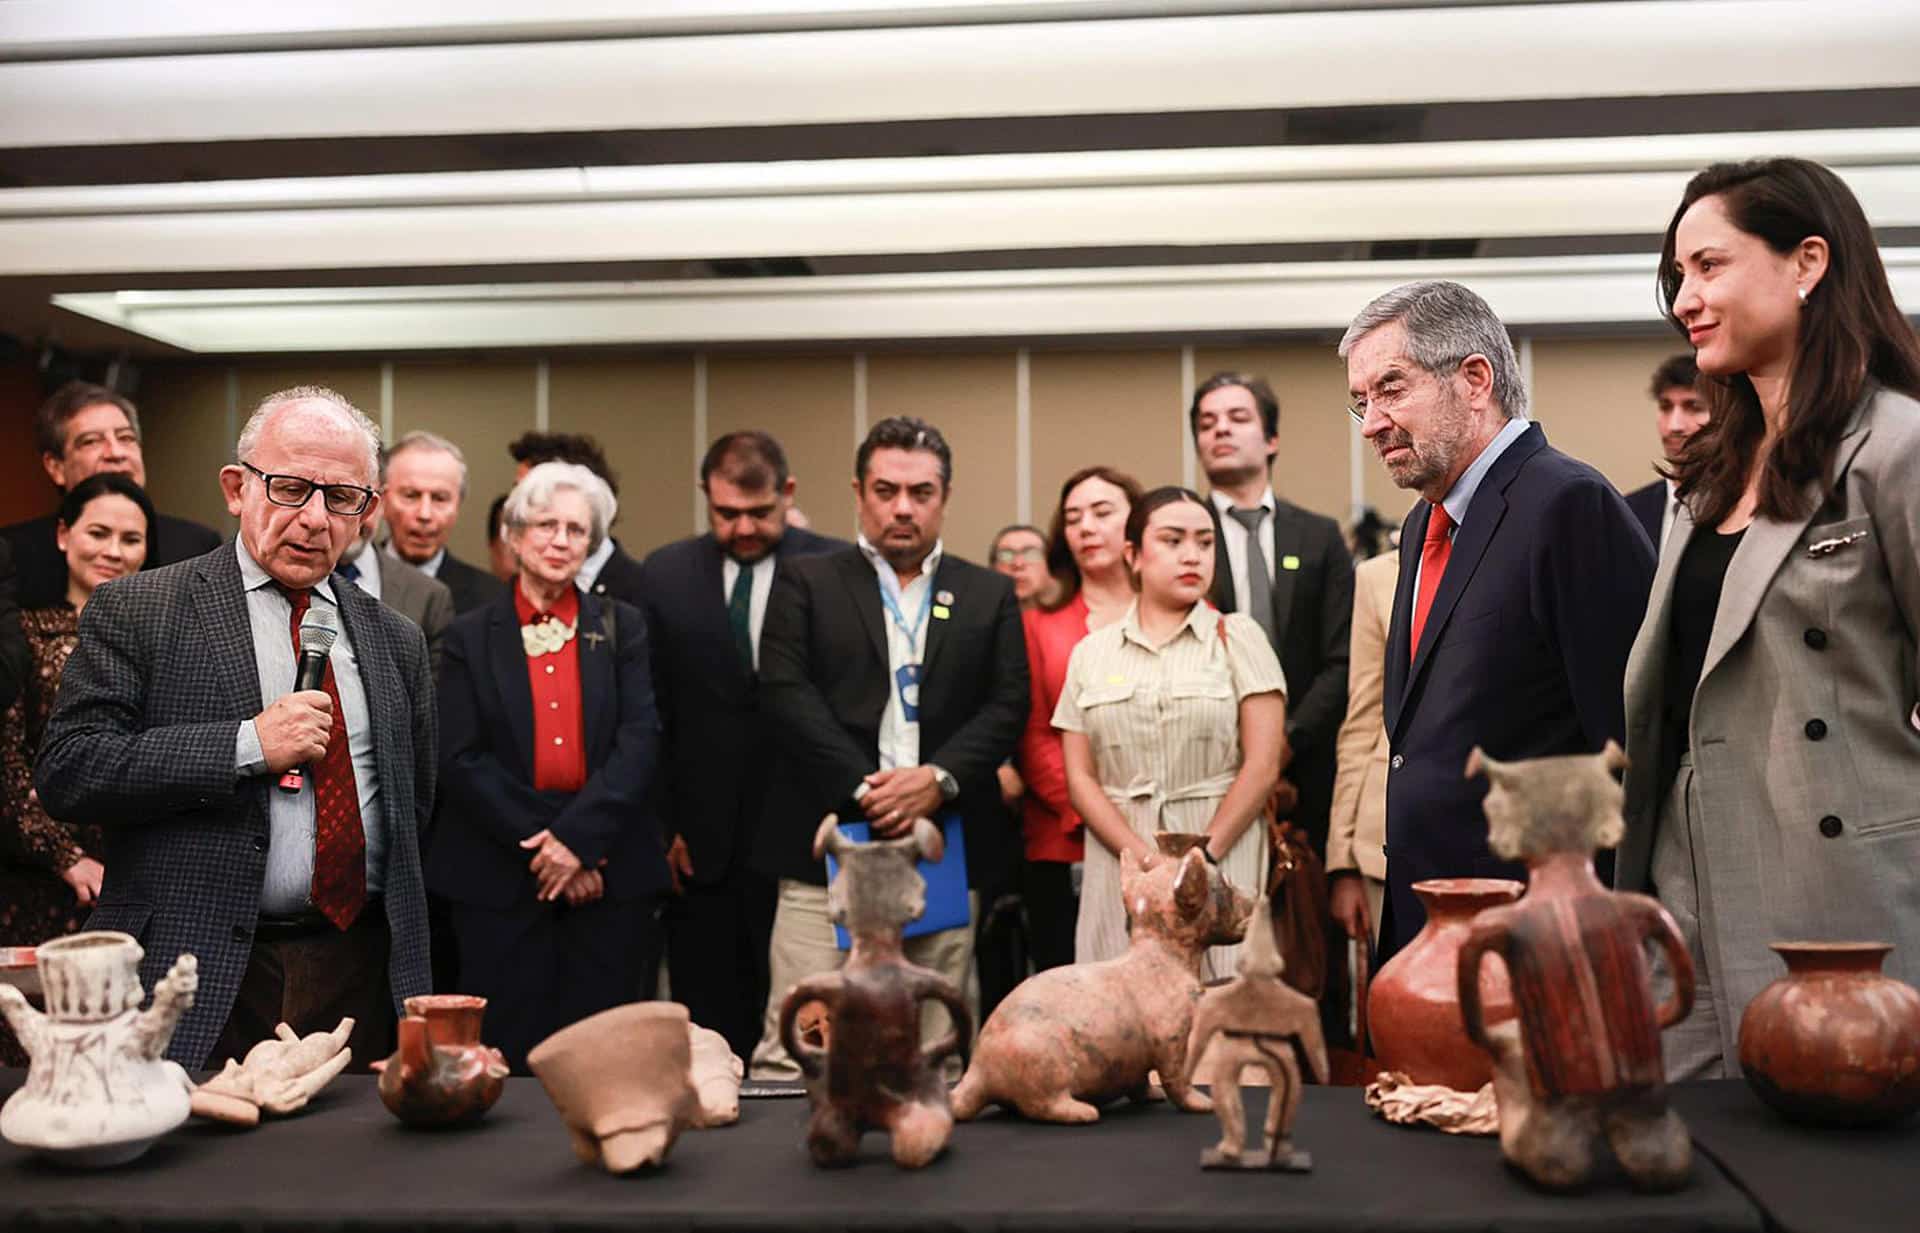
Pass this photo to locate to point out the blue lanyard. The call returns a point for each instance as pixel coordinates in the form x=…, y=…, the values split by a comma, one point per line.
x=899, y=618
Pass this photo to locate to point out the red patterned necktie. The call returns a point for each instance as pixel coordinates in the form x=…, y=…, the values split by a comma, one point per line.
x=339, y=839
x=1433, y=565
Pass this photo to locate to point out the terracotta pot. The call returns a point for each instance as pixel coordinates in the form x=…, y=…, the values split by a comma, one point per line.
x=441, y=1075
x=1835, y=1041
x=1413, y=1009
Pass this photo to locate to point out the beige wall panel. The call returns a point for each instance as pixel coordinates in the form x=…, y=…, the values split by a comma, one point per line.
x=1313, y=467
x=185, y=440
x=807, y=403
x=641, y=409
x=479, y=407
x=972, y=400
x=359, y=384
x=1590, y=394
x=1122, y=408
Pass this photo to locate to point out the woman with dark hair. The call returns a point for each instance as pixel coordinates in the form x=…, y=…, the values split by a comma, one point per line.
x=1171, y=719
x=1771, y=695
x=50, y=871
x=1086, y=554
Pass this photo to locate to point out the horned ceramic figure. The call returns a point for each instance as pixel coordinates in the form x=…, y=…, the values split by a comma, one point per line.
x=1071, y=1039
x=277, y=1076
x=1580, y=1064
x=874, y=1074
x=98, y=1091
x=1257, y=1019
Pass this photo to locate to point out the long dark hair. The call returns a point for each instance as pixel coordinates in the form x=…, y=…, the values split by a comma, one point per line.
x=74, y=502
x=1060, y=562
x=1850, y=331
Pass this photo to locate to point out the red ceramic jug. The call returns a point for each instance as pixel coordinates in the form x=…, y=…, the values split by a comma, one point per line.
x=1413, y=1009
x=442, y=1075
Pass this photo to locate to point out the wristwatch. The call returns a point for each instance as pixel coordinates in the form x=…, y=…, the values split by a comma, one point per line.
x=949, y=786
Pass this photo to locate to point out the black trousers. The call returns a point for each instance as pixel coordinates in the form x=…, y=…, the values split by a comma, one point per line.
x=1053, y=911
x=543, y=966
x=717, y=939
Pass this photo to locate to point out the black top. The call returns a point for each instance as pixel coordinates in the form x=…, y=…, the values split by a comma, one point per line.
x=1696, y=597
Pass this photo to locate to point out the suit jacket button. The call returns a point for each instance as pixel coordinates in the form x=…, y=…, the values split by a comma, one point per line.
x=240, y=933
x=1830, y=827
x=1815, y=638
x=259, y=843
x=1816, y=729
x=1397, y=762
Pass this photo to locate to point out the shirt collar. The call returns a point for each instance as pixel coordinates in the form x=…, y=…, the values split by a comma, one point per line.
x=888, y=578
x=430, y=567
x=253, y=575
x=565, y=609
x=595, y=562
x=1460, y=497
x=1201, y=621
x=1224, y=503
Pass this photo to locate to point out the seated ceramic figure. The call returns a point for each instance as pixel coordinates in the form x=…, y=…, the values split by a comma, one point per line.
x=278, y=1076
x=1071, y=1039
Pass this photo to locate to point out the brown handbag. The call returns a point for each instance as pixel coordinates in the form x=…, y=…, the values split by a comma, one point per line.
x=1297, y=896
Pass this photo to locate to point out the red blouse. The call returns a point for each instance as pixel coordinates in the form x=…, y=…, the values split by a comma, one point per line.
x=1054, y=832
x=559, y=744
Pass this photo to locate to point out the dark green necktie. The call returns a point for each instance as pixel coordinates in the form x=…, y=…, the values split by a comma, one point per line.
x=740, y=616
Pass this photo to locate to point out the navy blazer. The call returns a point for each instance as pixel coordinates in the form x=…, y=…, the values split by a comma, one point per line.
x=716, y=745
x=486, y=760
x=471, y=587
x=1649, y=505
x=1524, y=654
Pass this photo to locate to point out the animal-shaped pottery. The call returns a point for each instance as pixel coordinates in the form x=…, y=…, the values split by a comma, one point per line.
x=1256, y=1019
x=441, y=1075
x=622, y=1082
x=874, y=1074
x=277, y=1076
x=1579, y=1067
x=98, y=1091
x=1071, y=1039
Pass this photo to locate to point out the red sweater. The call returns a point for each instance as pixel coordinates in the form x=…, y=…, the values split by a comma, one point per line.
x=1054, y=832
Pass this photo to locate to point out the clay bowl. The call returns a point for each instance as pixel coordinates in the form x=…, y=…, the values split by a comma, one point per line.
x=19, y=968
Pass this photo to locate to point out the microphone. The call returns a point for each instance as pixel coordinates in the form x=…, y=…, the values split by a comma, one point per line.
x=318, y=630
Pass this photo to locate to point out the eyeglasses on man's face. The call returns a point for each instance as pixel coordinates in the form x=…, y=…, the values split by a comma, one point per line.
x=1008, y=556
x=294, y=491
x=1395, y=387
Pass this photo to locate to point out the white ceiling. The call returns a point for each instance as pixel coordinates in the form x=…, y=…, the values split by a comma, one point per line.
x=564, y=178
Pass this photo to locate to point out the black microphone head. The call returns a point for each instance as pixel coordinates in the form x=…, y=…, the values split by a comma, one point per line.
x=319, y=628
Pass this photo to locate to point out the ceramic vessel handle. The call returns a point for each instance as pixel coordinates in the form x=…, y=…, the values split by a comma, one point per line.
x=1479, y=942
x=1662, y=929
x=153, y=1031
x=941, y=990
x=823, y=989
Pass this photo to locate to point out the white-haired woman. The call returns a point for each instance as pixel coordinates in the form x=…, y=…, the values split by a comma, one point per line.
x=548, y=739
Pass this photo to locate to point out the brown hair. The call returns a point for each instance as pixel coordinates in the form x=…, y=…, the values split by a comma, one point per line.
x=1060, y=562
x=1850, y=331
x=50, y=424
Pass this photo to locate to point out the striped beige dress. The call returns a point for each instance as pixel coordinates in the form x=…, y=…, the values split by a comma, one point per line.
x=1164, y=726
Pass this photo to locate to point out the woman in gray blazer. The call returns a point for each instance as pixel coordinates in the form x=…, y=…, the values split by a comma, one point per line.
x=1771, y=722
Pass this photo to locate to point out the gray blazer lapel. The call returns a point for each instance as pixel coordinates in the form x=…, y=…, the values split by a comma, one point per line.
x=221, y=602
x=1647, y=663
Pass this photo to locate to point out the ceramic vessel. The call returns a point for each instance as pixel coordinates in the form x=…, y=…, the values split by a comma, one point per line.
x=1413, y=1008
x=441, y=1075
x=1835, y=1041
x=622, y=1081
x=874, y=1073
x=98, y=1091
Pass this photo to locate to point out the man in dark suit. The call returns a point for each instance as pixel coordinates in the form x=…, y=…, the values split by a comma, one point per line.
x=1288, y=569
x=894, y=677
x=426, y=483
x=424, y=601
x=302, y=905
x=611, y=570
x=706, y=606
x=1523, y=577
x=1681, y=411
x=82, y=429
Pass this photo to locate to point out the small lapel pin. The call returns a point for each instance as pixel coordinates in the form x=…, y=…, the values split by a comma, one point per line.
x=1290, y=562
x=1826, y=546
x=594, y=637
x=941, y=612
x=944, y=598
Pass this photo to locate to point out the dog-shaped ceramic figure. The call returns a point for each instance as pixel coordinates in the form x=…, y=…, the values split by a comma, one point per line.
x=1071, y=1039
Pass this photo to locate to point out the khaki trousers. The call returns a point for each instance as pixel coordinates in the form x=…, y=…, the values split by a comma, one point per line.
x=803, y=946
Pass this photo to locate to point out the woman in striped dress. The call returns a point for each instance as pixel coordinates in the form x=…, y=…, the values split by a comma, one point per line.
x=1171, y=720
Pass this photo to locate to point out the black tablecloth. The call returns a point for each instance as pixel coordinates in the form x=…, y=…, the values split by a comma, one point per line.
x=346, y=1162
x=1807, y=1179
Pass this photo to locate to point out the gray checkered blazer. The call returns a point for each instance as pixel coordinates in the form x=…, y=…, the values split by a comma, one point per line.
x=141, y=740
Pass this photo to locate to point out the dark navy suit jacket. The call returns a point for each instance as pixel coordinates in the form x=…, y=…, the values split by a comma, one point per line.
x=1524, y=654
x=1649, y=505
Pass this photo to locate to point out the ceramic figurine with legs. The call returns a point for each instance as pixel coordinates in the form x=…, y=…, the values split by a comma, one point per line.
x=1068, y=1040
x=1256, y=1020
x=874, y=1074
x=277, y=1076
x=1579, y=1066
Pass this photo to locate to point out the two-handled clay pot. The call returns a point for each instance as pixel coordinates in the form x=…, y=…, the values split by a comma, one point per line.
x=1835, y=1041
x=441, y=1075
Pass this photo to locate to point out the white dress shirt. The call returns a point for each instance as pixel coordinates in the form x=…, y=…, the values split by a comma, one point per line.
x=595, y=562
x=900, y=737
x=287, y=888
x=430, y=567
x=757, y=603
x=1666, y=515
x=1236, y=537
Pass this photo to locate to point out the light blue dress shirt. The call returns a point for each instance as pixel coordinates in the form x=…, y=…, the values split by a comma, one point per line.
x=287, y=889
x=1459, y=498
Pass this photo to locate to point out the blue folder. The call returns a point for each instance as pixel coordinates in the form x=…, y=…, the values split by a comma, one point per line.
x=946, y=882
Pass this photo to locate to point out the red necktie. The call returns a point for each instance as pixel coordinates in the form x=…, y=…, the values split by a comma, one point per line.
x=1433, y=565
x=339, y=839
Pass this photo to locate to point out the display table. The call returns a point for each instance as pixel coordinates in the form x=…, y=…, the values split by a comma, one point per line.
x=345, y=1162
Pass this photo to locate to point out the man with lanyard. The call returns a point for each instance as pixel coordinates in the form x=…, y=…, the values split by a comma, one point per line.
x=894, y=679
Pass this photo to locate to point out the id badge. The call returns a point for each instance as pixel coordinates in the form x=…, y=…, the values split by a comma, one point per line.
x=907, y=678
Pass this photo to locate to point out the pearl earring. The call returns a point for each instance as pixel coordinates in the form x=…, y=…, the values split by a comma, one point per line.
x=1802, y=292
